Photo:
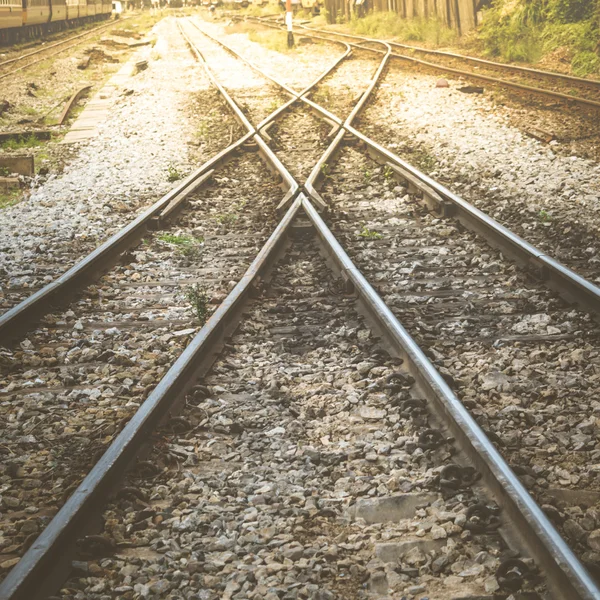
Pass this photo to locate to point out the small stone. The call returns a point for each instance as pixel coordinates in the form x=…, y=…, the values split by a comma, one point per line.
x=491, y=585
x=593, y=540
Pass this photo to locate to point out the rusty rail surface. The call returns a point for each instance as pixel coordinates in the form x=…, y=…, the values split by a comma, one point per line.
x=566, y=575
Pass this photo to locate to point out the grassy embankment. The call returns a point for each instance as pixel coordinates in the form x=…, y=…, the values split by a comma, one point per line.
x=562, y=34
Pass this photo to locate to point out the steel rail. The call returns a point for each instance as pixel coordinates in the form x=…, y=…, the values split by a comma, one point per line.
x=328, y=155
x=35, y=62
x=595, y=83
x=49, y=47
x=296, y=95
x=502, y=82
x=190, y=363
x=567, y=577
x=37, y=571
x=46, y=564
x=534, y=531
x=21, y=317
x=571, y=286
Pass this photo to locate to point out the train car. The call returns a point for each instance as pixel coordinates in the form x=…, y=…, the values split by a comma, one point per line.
x=36, y=13
x=11, y=18
x=83, y=9
x=58, y=11
x=72, y=10
x=22, y=19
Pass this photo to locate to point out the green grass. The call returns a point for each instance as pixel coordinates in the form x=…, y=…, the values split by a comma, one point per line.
x=273, y=40
x=369, y=234
x=189, y=246
x=20, y=143
x=173, y=174
x=261, y=11
x=198, y=298
x=180, y=240
x=391, y=25
x=226, y=219
x=527, y=30
x=10, y=198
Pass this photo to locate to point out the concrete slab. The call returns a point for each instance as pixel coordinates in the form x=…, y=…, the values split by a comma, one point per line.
x=18, y=164
x=390, y=508
x=392, y=552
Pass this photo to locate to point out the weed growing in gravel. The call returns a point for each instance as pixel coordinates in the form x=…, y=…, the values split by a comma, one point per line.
x=388, y=174
x=189, y=246
x=226, y=219
x=197, y=296
x=173, y=174
x=322, y=96
x=4, y=171
x=202, y=132
x=9, y=198
x=544, y=216
x=325, y=171
x=369, y=234
x=368, y=175
x=25, y=142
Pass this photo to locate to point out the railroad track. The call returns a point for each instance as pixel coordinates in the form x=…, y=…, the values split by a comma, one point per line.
x=399, y=413
x=14, y=65
x=580, y=91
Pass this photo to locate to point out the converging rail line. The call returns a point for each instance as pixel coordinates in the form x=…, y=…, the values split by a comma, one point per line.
x=588, y=90
x=338, y=387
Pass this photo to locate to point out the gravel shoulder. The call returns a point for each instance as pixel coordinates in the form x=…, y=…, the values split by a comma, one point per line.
x=165, y=122
x=297, y=68
x=477, y=147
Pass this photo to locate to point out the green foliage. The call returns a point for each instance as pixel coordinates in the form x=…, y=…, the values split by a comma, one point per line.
x=271, y=39
x=544, y=216
x=325, y=171
x=391, y=25
x=189, y=246
x=10, y=198
x=198, y=298
x=173, y=174
x=23, y=142
x=514, y=36
x=527, y=29
x=227, y=219
x=369, y=234
x=571, y=11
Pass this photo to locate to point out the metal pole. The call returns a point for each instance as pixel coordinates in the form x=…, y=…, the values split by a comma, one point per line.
x=288, y=22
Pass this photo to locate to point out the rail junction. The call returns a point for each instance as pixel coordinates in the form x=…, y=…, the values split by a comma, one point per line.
x=320, y=427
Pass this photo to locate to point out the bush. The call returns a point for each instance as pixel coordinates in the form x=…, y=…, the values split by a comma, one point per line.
x=525, y=30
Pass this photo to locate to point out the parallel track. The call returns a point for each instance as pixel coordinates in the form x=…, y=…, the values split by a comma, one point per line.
x=77, y=39
x=530, y=529
x=588, y=95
